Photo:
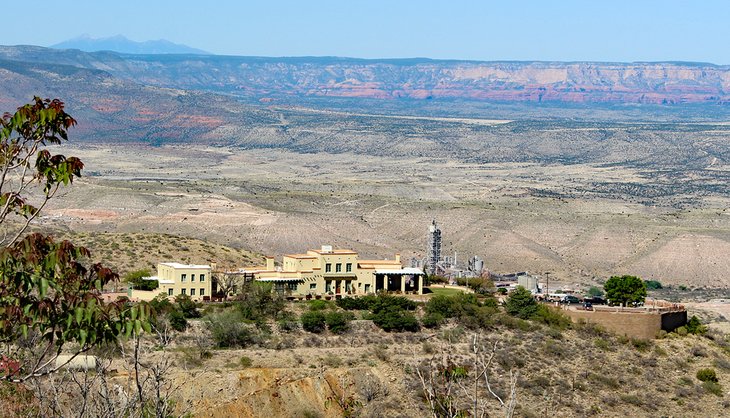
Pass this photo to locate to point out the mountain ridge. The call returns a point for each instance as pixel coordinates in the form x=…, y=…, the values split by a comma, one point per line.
x=121, y=44
x=408, y=78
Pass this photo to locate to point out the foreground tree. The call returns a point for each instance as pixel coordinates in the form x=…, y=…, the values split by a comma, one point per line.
x=521, y=303
x=48, y=299
x=625, y=289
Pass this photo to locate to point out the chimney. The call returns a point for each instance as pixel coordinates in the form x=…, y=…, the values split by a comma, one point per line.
x=397, y=257
x=269, y=263
x=213, y=266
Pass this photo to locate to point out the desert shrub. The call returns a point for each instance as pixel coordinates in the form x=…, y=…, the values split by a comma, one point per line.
x=514, y=323
x=698, y=351
x=590, y=329
x=631, y=399
x=712, y=387
x=338, y=322
x=601, y=343
x=381, y=352
x=477, y=284
x=641, y=344
x=353, y=304
x=187, y=306
x=319, y=305
x=694, y=326
x=313, y=321
x=394, y=319
x=707, y=375
x=722, y=363
x=428, y=348
x=228, y=329
x=432, y=320
x=245, y=361
x=521, y=303
x=551, y=317
x=258, y=301
x=385, y=301
x=466, y=307
x=288, y=322
x=681, y=331
x=442, y=305
x=177, y=321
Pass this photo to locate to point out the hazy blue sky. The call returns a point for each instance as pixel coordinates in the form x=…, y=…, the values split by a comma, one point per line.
x=611, y=30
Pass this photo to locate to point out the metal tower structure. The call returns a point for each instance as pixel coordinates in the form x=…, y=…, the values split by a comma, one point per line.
x=434, y=247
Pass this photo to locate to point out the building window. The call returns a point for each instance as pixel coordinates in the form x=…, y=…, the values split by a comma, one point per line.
x=192, y=277
x=348, y=267
x=338, y=267
x=312, y=286
x=328, y=267
x=347, y=286
x=292, y=286
x=328, y=286
x=183, y=278
x=367, y=288
x=169, y=292
x=202, y=292
x=192, y=292
x=202, y=277
x=182, y=292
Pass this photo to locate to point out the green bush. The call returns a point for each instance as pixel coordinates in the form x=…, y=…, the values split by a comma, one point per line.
x=521, y=303
x=319, y=305
x=432, y=320
x=228, y=329
x=136, y=280
x=393, y=319
x=187, y=306
x=385, y=301
x=551, y=317
x=313, y=321
x=288, y=322
x=178, y=321
x=257, y=301
x=712, y=387
x=694, y=326
x=338, y=322
x=363, y=303
x=707, y=375
x=245, y=361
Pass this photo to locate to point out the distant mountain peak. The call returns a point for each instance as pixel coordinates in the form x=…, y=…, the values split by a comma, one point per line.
x=121, y=44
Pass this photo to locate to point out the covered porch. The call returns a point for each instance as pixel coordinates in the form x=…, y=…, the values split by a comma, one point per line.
x=404, y=280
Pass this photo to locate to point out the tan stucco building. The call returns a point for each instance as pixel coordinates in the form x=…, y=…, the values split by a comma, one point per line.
x=175, y=279
x=330, y=272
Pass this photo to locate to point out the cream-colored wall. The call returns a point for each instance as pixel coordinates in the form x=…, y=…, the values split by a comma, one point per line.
x=171, y=273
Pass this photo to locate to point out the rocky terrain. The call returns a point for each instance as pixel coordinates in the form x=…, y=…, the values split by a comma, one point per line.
x=262, y=78
x=584, y=191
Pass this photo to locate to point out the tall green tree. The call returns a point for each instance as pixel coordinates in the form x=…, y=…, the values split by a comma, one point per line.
x=625, y=289
x=521, y=303
x=49, y=300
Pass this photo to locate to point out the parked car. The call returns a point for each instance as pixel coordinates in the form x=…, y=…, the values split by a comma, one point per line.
x=587, y=306
x=595, y=300
x=570, y=299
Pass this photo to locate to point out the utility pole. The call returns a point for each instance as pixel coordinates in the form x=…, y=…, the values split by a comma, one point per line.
x=547, y=285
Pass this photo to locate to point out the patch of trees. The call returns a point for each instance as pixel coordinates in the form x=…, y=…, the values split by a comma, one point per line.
x=137, y=280
x=625, y=289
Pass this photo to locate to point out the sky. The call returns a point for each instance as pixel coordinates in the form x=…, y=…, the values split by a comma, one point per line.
x=547, y=30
